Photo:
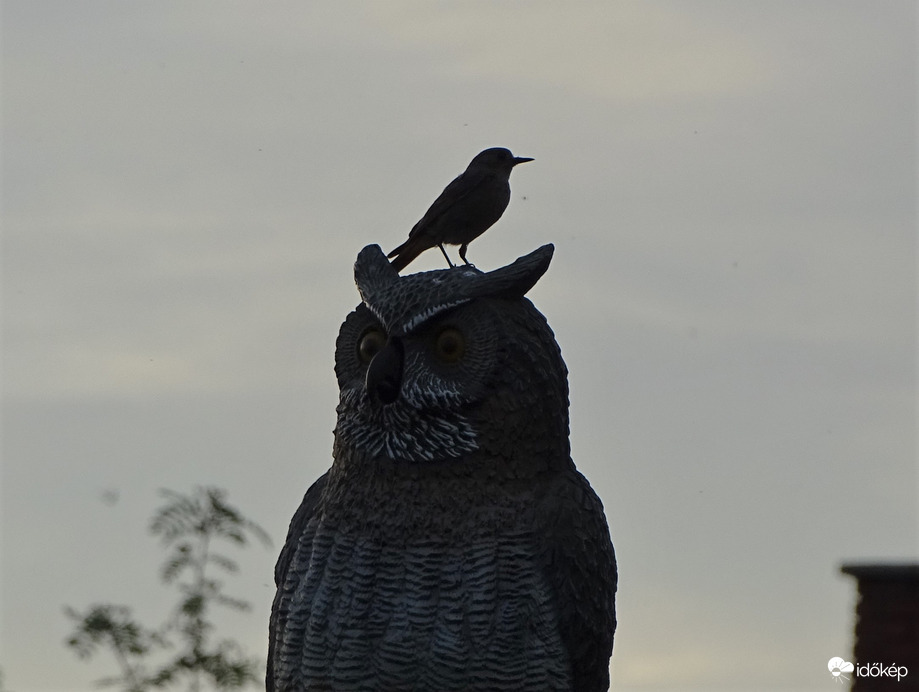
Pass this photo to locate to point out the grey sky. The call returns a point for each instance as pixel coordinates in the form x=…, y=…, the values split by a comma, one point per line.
x=731, y=190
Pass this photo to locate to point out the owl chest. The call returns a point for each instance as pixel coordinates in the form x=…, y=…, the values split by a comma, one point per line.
x=425, y=614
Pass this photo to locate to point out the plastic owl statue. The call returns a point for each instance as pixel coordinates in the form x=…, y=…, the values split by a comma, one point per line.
x=452, y=545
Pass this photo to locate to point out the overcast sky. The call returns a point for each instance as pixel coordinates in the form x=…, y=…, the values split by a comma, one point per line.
x=731, y=189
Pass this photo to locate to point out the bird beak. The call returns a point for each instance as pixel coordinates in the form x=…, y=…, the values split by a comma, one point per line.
x=521, y=159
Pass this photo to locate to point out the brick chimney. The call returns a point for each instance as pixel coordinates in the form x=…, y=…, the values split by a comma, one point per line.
x=886, y=626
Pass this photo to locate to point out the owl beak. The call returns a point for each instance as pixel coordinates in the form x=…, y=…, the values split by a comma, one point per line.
x=384, y=374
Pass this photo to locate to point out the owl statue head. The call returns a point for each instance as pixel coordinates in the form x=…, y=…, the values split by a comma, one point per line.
x=450, y=365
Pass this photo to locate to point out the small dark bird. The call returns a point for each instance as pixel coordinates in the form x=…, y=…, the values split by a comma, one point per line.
x=465, y=209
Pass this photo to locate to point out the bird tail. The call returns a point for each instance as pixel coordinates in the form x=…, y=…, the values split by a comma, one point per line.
x=405, y=253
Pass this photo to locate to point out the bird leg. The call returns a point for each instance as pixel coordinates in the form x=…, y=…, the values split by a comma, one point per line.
x=447, y=257
x=463, y=253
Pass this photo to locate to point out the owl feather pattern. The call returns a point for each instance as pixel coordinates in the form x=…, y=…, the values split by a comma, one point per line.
x=452, y=545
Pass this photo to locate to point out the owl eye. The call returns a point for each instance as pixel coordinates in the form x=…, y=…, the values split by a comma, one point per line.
x=370, y=344
x=450, y=345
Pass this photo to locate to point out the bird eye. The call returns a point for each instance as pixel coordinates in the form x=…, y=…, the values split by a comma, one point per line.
x=450, y=345
x=370, y=344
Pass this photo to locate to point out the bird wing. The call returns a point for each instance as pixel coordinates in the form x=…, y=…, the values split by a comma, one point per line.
x=580, y=565
x=301, y=518
x=459, y=188
x=424, y=233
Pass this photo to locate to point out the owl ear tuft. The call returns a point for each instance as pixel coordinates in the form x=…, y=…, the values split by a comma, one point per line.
x=401, y=303
x=372, y=269
x=514, y=280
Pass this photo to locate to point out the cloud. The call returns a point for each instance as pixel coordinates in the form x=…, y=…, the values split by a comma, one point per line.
x=624, y=52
